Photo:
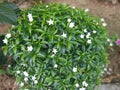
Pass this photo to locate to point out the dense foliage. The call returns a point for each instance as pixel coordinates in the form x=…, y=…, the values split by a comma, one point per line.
x=57, y=47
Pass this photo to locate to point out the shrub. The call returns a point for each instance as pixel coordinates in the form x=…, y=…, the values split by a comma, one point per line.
x=57, y=47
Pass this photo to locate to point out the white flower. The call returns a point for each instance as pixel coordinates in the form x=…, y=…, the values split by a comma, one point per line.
x=102, y=72
x=87, y=10
x=50, y=22
x=97, y=23
x=33, y=78
x=74, y=69
x=88, y=35
x=18, y=72
x=108, y=40
x=102, y=19
x=89, y=41
x=84, y=83
x=29, y=48
x=81, y=36
x=5, y=41
x=46, y=6
x=25, y=79
x=77, y=85
x=105, y=69
x=35, y=82
x=8, y=35
x=64, y=35
x=25, y=73
x=82, y=88
x=85, y=30
x=73, y=7
x=71, y=25
x=94, y=31
x=53, y=55
x=30, y=17
x=111, y=44
x=55, y=66
x=68, y=20
x=21, y=84
x=104, y=24
x=9, y=66
x=54, y=50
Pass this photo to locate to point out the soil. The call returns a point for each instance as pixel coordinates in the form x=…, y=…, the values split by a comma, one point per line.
x=110, y=12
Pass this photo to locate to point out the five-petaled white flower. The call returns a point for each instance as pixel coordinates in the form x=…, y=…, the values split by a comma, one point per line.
x=105, y=69
x=5, y=41
x=111, y=44
x=55, y=66
x=85, y=30
x=89, y=41
x=94, y=31
x=84, y=83
x=25, y=79
x=35, y=82
x=87, y=10
x=46, y=6
x=64, y=35
x=74, y=69
x=21, y=84
x=29, y=48
x=81, y=36
x=72, y=24
x=77, y=85
x=73, y=7
x=50, y=22
x=102, y=19
x=33, y=78
x=82, y=88
x=108, y=40
x=18, y=72
x=8, y=35
x=87, y=36
x=104, y=24
x=30, y=17
x=25, y=73
x=68, y=20
x=54, y=50
x=9, y=66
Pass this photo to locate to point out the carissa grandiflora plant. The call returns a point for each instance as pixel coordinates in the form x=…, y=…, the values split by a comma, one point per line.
x=57, y=47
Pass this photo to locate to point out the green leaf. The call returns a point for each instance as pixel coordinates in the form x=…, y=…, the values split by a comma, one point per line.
x=7, y=15
x=5, y=50
x=10, y=5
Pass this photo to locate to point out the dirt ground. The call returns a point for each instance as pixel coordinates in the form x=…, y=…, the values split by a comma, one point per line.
x=106, y=10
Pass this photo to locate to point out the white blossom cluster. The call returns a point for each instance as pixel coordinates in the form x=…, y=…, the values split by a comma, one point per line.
x=84, y=85
x=7, y=36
